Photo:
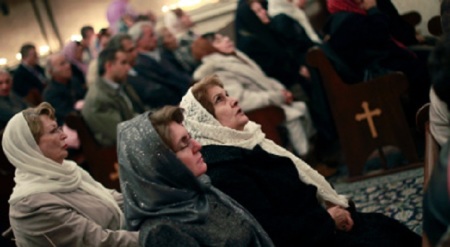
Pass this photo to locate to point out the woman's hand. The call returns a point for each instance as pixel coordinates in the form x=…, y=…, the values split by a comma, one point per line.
x=304, y=72
x=341, y=217
x=367, y=4
x=288, y=96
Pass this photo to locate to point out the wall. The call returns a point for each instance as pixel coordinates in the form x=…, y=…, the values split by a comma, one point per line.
x=426, y=8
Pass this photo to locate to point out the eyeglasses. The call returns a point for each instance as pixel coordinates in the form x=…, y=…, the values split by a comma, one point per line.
x=187, y=142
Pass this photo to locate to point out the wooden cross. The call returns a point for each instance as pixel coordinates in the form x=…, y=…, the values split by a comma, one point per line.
x=369, y=116
x=115, y=174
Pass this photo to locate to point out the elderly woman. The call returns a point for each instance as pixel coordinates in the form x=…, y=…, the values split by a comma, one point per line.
x=293, y=203
x=54, y=201
x=167, y=196
x=244, y=80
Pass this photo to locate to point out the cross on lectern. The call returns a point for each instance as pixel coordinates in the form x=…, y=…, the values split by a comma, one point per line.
x=369, y=116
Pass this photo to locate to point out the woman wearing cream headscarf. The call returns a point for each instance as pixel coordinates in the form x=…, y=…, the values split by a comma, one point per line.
x=292, y=202
x=54, y=201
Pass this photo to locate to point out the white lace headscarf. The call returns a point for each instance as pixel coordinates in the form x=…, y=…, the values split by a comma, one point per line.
x=204, y=128
x=36, y=173
x=277, y=7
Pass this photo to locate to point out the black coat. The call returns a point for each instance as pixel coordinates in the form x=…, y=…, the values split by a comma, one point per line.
x=25, y=80
x=400, y=29
x=152, y=91
x=63, y=97
x=365, y=43
x=262, y=45
x=288, y=209
x=293, y=35
x=164, y=73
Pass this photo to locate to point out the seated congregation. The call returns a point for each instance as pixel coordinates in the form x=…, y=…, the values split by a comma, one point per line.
x=189, y=166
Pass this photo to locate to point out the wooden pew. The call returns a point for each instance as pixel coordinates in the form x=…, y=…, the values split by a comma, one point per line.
x=368, y=116
x=270, y=118
x=101, y=161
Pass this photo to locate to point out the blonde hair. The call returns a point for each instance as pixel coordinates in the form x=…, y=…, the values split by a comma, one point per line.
x=32, y=116
x=161, y=119
x=200, y=91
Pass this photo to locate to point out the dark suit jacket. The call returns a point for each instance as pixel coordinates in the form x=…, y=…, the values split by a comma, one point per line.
x=25, y=80
x=163, y=73
x=63, y=97
x=153, y=93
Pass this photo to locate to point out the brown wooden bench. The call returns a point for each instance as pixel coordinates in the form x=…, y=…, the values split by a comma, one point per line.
x=270, y=118
x=101, y=161
x=368, y=115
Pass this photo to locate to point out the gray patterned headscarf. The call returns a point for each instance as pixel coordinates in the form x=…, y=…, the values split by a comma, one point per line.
x=156, y=184
x=154, y=181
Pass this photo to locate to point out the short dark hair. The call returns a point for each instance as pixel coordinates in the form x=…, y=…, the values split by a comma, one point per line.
x=26, y=48
x=106, y=55
x=161, y=119
x=439, y=68
x=116, y=41
x=84, y=31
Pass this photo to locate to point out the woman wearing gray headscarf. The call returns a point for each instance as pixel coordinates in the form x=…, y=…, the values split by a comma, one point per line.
x=167, y=196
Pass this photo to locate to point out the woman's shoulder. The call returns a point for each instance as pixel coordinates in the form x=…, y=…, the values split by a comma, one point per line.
x=43, y=201
x=37, y=201
x=220, y=153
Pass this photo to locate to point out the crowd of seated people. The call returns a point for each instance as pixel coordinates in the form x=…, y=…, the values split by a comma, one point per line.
x=119, y=78
x=360, y=34
x=244, y=79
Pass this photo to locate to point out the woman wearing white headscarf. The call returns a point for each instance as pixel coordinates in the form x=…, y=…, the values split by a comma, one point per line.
x=54, y=201
x=244, y=80
x=292, y=202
